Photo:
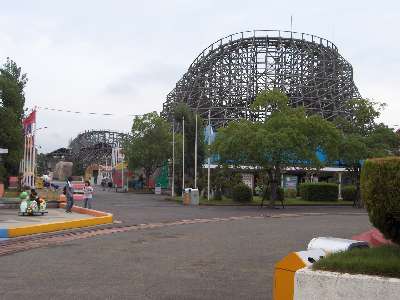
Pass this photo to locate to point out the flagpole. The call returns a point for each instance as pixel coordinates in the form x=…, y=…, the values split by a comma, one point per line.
x=209, y=160
x=24, y=161
x=195, y=156
x=34, y=152
x=183, y=155
x=173, y=159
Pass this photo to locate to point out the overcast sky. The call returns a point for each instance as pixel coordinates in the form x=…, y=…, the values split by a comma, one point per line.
x=123, y=57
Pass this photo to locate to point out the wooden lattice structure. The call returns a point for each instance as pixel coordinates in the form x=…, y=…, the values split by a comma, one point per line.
x=226, y=76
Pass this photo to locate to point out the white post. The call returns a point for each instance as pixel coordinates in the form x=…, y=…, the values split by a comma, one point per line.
x=34, y=156
x=195, y=157
x=105, y=174
x=24, y=162
x=209, y=159
x=173, y=160
x=30, y=160
x=340, y=187
x=122, y=174
x=183, y=155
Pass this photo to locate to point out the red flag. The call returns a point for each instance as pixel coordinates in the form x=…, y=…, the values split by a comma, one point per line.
x=28, y=121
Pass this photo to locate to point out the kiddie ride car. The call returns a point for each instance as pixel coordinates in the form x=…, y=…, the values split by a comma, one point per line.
x=31, y=207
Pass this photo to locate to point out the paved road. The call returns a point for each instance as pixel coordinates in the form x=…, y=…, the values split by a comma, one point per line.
x=219, y=260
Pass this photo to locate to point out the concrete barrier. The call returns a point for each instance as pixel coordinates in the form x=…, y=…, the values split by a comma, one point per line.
x=317, y=285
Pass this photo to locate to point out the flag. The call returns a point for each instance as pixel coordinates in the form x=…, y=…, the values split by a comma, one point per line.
x=28, y=121
x=209, y=134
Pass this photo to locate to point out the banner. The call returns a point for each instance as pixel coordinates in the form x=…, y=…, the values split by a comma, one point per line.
x=28, y=163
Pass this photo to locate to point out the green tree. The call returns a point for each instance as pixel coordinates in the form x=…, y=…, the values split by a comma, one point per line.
x=364, y=138
x=150, y=143
x=288, y=137
x=12, y=101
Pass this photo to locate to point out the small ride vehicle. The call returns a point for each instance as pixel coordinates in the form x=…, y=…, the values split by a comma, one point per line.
x=32, y=204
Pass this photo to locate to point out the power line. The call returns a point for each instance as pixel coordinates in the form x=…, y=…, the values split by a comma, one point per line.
x=85, y=113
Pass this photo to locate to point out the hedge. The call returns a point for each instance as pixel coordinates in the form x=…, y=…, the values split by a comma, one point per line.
x=380, y=191
x=319, y=191
x=349, y=193
x=242, y=193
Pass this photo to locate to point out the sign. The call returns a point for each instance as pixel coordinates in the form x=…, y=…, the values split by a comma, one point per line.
x=3, y=151
x=39, y=183
x=12, y=182
x=290, y=182
x=157, y=190
x=248, y=179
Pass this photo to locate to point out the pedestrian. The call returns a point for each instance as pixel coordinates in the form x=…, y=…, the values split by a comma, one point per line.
x=88, y=195
x=69, y=194
x=103, y=184
x=110, y=185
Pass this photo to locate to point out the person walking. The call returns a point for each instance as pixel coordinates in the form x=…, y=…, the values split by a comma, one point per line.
x=88, y=195
x=69, y=194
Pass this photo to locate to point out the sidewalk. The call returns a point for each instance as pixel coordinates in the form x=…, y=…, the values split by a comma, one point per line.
x=12, y=225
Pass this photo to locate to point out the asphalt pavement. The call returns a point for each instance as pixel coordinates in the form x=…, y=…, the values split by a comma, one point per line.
x=217, y=260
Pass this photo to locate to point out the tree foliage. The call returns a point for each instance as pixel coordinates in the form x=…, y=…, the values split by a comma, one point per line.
x=12, y=101
x=288, y=137
x=364, y=138
x=150, y=143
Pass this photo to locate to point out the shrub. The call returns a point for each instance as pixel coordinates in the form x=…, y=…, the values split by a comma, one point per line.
x=242, y=193
x=266, y=193
x=349, y=193
x=319, y=191
x=290, y=193
x=217, y=195
x=380, y=191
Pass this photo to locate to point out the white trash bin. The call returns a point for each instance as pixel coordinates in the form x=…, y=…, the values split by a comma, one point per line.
x=194, y=197
x=332, y=244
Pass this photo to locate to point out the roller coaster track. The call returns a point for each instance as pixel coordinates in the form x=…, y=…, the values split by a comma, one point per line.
x=226, y=76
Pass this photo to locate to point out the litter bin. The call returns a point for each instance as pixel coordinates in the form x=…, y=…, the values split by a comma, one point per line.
x=194, y=197
x=332, y=245
x=286, y=268
x=186, y=197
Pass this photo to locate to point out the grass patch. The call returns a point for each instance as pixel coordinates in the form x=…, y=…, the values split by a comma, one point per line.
x=47, y=194
x=382, y=261
x=11, y=194
x=257, y=201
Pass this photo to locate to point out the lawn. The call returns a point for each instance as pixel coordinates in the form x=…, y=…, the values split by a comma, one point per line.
x=11, y=194
x=257, y=201
x=382, y=261
x=47, y=194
